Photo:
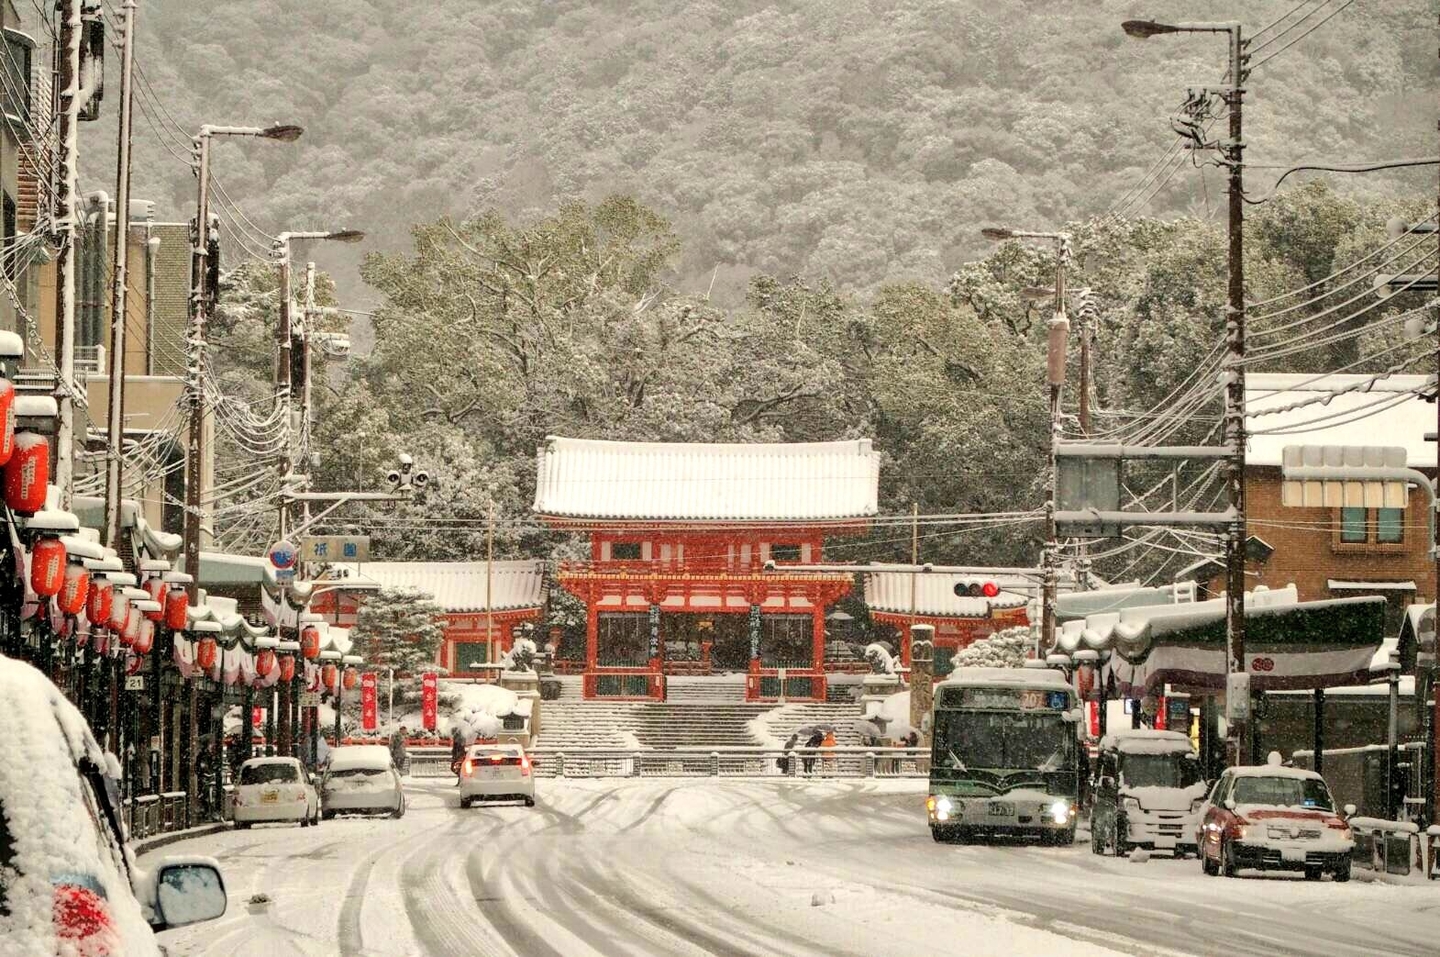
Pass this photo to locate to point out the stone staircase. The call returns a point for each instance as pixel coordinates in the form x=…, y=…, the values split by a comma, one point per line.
x=680, y=689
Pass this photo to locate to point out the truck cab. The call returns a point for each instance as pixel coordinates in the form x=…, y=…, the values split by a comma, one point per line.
x=1147, y=791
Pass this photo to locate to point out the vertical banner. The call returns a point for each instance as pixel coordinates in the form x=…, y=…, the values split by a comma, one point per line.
x=1092, y=716
x=367, y=701
x=754, y=632
x=428, y=685
x=654, y=631
x=257, y=717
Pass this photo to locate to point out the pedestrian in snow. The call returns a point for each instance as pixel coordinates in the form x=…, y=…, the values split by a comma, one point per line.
x=784, y=761
x=457, y=752
x=828, y=744
x=398, y=754
x=817, y=737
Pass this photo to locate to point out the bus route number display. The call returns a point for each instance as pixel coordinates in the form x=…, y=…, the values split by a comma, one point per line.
x=1004, y=699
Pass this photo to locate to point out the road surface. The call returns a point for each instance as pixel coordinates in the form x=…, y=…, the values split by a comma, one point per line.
x=662, y=867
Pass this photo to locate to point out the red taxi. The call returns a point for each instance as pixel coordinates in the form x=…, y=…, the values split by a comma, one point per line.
x=1273, y=818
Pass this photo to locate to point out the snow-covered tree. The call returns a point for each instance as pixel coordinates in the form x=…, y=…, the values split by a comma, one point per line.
x=1004, y=649
x=399, y=628
x=881, y=661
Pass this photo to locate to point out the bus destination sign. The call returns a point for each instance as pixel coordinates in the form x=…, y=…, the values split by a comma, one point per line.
x=1004, y=699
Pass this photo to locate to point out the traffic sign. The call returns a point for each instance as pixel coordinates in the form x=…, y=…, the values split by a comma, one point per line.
x=335, y=548
x=135, y=683
x=309, y=699
x=282, y=555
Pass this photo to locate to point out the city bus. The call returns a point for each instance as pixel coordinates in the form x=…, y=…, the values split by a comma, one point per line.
x=1004, y=756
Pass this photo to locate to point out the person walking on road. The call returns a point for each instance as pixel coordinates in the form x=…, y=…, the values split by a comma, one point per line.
x=817, y=737
x=457, y=752
x=398, y=754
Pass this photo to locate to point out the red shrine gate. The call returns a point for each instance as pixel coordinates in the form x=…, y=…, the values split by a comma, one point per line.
x=689, y=545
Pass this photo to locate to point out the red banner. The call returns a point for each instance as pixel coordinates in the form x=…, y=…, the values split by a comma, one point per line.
x=257, y=717
x=367, y=701
x=428, y=705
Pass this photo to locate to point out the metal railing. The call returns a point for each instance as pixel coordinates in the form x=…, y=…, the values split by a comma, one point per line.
x=705, y=762
x=151, y=814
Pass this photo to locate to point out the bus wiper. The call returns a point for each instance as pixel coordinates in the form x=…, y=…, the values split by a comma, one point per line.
x=955, y=762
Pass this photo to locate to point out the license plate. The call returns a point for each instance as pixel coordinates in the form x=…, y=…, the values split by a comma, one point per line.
x=269, y=797
x=1295, y=855
x=1000, y=809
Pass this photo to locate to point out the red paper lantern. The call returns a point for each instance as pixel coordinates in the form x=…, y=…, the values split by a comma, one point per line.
x=47, y=566
x=98, y=602
x=119, y=611
x=132, y=626
x=287, y=668
x=156, y=587
x=7, y=420
x=310, y=642
x=75, y=589
x=329, y=675
x=177, y=604
x=205, y=651
x=264, y=662
x=27, y=473
x=352, y=678
x=145, y=638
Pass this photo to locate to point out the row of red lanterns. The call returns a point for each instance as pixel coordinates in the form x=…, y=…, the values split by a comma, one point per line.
x=70, y=584
x=330, y=674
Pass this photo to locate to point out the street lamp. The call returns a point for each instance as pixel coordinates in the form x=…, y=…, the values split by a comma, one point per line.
x=195, y=340
x=1059, y=335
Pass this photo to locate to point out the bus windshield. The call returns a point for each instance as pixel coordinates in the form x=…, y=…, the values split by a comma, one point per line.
x=1035, y=741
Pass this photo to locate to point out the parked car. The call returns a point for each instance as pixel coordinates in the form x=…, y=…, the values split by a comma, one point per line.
x=269, y=790
x=1274, y=818
x=361, y=779
x=68, y=881
x=496, y=772
x=1147, y=793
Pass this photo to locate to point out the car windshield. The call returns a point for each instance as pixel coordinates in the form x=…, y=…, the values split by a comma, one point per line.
x=1283, y=792
x=269, y=774
x=1173, y=770
x=1004, y=739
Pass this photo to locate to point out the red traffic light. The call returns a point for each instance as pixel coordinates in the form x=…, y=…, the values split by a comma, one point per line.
x=976, y=589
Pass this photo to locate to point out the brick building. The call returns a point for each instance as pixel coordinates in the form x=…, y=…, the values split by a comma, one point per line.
x=1336, y=552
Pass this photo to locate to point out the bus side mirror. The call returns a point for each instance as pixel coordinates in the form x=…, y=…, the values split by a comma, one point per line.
x=1072, y=716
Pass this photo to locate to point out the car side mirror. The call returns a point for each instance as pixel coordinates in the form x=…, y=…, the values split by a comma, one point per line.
x=1107, y=782
x=187, y=891
x=1229, y=804
x=1349, y=810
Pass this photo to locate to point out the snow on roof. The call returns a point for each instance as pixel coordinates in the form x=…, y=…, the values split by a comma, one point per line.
x=1146, y=741
x=1274, y=771
x=1337, y=585
x=459, y=586
x=1021, y=677
x=692, y=481
x=359, y=756
x=934, y=595
x=1378, y=413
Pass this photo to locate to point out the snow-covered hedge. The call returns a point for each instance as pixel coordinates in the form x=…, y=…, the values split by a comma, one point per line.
x=1004, y=649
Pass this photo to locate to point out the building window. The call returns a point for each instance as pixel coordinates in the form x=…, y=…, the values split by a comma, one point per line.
x=1390, y=526
x=469, y=654
x=625, y=551
x=785, y=553
x=1353, y=526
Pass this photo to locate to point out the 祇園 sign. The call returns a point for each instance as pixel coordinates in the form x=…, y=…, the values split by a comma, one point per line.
x=335, y=548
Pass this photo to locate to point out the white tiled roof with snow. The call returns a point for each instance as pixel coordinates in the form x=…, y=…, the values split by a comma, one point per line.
x=681, y=481
x=460, y=586
x=934, y=595
x=1385, y=412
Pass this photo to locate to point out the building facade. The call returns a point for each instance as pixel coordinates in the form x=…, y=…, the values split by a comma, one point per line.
x=689, y=545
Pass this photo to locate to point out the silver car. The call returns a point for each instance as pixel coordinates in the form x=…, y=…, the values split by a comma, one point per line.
x=361, y=779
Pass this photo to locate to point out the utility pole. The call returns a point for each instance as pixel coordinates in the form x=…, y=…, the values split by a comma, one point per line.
x=1234, y=366
x=195, y=366
x=115, y=429
x=68, y=185
x=489, y=580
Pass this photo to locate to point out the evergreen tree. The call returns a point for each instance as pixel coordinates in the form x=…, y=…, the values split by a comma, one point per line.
x=399, y=628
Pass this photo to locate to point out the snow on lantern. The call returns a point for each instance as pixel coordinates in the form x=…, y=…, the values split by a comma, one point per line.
x=351, y=679
x=287, y=668
x=76, y=587
x=47, y=566
x=119, y=611
x=310, y=642
x=155, y=586
x=98, y=602
x=329, y=675
x=27, y=473
x=264, y=662
x=144, y=638
x=7, y=420
x=205, y=652
x=177, y=607
x=132, y=626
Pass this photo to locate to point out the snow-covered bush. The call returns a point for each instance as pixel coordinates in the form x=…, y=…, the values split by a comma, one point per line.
x=882, y=662
x=1004, y=649
x=521, y=656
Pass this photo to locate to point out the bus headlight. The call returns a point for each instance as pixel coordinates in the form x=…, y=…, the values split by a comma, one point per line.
x=1060, y=812
x=940, y=807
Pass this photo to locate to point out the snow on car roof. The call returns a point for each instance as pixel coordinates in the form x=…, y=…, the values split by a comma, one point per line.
x=359, y=756
x=272, y=761
x=1275, y=771
x=1009, y=677
x=1146, y=741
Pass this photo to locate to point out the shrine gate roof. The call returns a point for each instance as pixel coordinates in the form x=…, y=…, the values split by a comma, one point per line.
x=707, y=482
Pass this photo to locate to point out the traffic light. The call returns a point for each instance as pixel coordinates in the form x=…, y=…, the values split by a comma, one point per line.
x=976, y=588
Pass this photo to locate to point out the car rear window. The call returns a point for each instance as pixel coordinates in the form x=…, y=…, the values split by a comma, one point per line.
x=492, y=756
x=361, y=773
x=269, y=774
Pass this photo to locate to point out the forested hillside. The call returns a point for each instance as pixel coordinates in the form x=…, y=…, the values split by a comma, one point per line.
x=855, y=142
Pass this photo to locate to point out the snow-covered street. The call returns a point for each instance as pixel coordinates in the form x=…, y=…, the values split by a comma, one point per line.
x=749, y=867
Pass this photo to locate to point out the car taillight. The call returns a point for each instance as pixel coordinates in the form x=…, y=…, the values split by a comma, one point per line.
x=524, y=764
x=468, y=768
x=299, y=795
x=82, y=919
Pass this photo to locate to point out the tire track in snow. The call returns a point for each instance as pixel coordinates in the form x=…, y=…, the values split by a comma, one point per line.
x=646, y=814
x=349, y=935
x=439, y=926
